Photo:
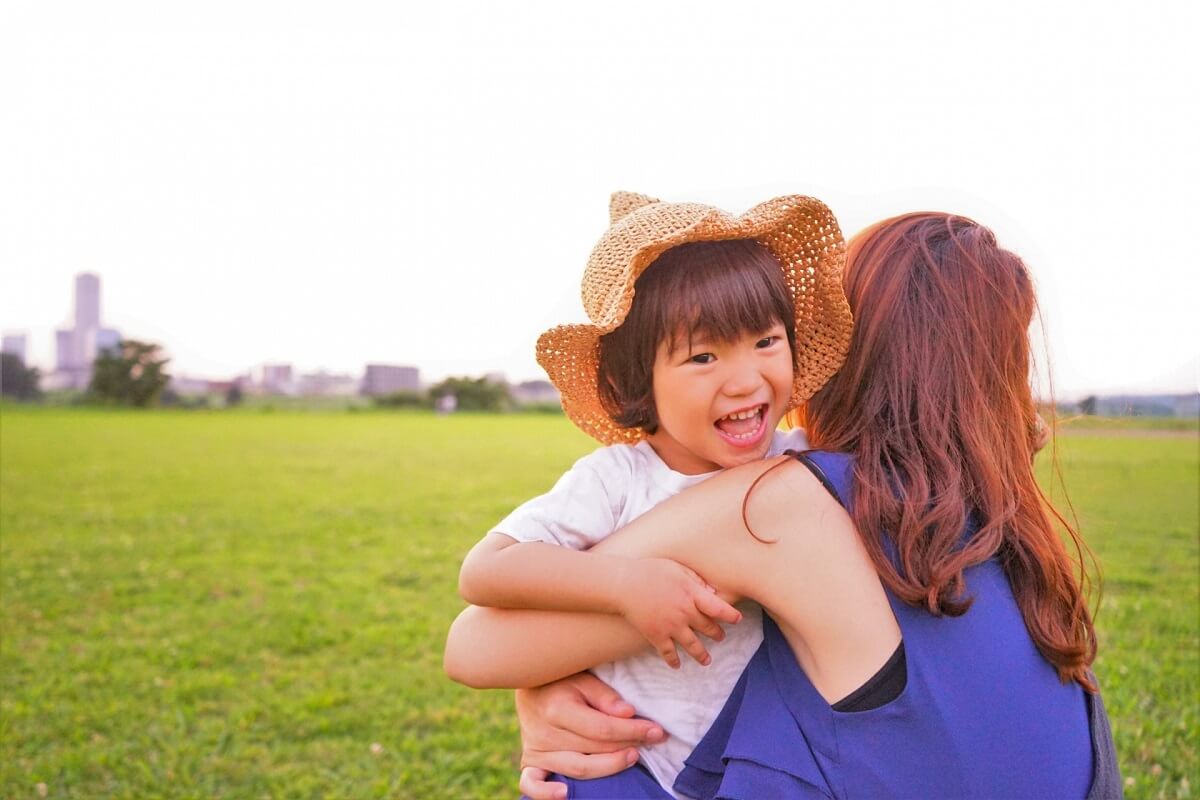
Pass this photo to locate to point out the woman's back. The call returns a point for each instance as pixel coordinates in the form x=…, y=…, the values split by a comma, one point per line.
x=982, y=714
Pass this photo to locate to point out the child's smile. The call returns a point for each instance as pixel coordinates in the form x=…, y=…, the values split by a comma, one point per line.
x=719, y=402
x=745, y=426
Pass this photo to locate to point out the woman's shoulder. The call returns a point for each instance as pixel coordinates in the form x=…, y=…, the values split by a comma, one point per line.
x=787, y=496
x=834, y=470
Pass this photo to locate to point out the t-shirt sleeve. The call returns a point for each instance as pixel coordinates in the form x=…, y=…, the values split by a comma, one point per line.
x=582, y=508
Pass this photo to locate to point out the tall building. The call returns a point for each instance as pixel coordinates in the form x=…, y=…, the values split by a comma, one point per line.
x=106, y=339
x=388, y=378
x=87, y=301
x=15, y=344
x=76, y=347
x=63, y=359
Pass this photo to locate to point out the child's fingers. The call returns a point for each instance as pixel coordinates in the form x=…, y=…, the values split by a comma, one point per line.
x=714, y=607
x=667, y=651
x=689, y=642
x=707, y=627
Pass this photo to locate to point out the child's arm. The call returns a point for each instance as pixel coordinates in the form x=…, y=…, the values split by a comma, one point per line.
x=665, y=601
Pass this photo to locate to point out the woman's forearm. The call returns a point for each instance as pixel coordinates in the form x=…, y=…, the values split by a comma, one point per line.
x=493, y=648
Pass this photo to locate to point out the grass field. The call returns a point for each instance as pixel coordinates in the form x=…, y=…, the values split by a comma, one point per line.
x=251, y=605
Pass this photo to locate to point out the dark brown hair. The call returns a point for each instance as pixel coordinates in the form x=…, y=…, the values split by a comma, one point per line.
x=935, y=403
x=720, y=290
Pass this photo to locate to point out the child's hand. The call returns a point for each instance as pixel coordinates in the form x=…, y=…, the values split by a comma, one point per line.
x=669, y=603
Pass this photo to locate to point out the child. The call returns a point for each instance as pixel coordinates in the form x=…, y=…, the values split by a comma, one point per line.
x=706, y=330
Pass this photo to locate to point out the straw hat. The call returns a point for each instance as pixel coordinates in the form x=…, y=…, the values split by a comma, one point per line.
x=800, y=231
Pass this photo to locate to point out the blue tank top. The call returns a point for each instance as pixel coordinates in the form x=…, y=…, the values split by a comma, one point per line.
x=983, y=714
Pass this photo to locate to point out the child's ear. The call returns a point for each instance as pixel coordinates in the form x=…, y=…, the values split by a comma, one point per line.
x=623, y=203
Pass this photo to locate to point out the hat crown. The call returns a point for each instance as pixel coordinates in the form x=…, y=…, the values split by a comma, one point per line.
x=622, y=203
x=641, y=228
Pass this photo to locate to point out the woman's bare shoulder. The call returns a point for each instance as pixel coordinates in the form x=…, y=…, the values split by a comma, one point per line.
x=782, y=498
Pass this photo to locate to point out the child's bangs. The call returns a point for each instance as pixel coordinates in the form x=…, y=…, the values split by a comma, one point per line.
x=724, y=291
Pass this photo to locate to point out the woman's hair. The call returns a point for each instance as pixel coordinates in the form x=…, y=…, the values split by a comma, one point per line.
x=935, y=403
x=721, y=290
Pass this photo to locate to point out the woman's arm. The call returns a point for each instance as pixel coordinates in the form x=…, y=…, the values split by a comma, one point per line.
x=496, y=648
x=701, y=528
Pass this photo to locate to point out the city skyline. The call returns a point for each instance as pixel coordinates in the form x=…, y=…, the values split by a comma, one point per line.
x=77, y=344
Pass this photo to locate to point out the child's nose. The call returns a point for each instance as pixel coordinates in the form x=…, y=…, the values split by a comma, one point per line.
x=744, y=378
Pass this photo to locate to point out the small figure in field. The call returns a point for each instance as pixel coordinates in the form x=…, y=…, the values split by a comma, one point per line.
x=446, y=404
x=706, y=329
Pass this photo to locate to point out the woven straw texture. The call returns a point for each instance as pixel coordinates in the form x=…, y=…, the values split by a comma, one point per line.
x=800, y=231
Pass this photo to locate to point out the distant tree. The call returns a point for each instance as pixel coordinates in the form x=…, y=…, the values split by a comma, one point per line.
x=1088, y=405
x=402, y=400
x=132, y=374
x=234, y=396
x=17, y=380
x=474, y=394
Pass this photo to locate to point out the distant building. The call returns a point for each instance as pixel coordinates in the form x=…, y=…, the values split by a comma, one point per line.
x=381, y=379
x=534, y=393
x=63, y=339
x=87, y=301
x=1148, y=405
x=106, y=339
x=1187, y=405
x=189, y=387
x=76, y=347
x=276, y=379
x=15, y=344
x=327, y=384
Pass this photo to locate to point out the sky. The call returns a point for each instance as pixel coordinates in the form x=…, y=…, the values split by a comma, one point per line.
x=332, y=184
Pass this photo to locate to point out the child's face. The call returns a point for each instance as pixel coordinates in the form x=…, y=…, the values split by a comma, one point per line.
x=698, y=391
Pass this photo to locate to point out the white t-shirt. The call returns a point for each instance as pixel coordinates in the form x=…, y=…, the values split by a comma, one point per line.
x=604, y=491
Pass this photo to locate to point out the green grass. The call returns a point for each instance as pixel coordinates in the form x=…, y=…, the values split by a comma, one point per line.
x=249, y=605
x=1080, y=423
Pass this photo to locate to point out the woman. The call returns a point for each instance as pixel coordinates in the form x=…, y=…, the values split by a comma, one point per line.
x=929, y=635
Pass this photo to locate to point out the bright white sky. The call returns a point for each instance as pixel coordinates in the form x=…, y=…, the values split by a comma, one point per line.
x=331, y=184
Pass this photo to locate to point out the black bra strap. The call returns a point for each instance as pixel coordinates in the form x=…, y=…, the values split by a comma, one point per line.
x=816, y=470
x=882, y=688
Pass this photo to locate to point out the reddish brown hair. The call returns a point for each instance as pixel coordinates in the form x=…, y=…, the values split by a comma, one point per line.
x=935, y=403
x=720, y=290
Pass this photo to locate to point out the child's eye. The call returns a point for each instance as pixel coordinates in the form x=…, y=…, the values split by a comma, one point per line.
x=766, y=341
x=703, y=358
